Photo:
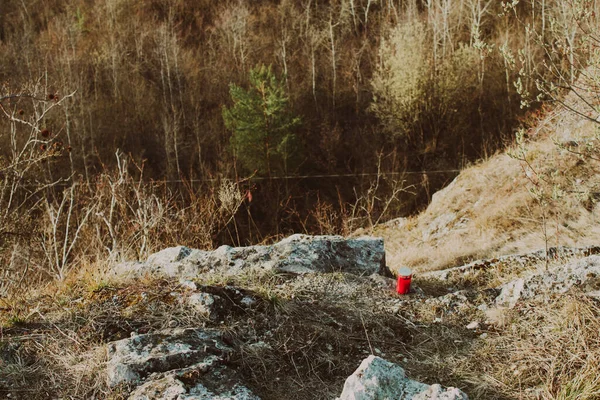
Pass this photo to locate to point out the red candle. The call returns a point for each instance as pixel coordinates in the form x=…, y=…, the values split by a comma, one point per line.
x=404, y=278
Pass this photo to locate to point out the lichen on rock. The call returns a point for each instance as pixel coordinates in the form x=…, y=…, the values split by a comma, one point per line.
x=378, y=379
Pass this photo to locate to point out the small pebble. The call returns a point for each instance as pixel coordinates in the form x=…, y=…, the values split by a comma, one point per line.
x=188, y=284
x=473, y=325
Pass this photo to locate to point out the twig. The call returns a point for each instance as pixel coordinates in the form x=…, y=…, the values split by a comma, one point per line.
x=366, y=333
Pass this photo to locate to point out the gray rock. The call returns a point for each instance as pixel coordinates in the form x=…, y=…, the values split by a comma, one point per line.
x=169, y=255
x=523, y=259
x=510, y=293
x=248, y=301
x=188, y=284
x=473, y=325
x=132, y=360
x=204, y=303
x=437, y=392
x=180, y=364
x=191, y=384
x=584, y=273
x=168, y=388
x=297, y=254
x=378, y=379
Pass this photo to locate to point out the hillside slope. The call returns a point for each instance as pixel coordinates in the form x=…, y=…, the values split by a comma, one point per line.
x=542, y=191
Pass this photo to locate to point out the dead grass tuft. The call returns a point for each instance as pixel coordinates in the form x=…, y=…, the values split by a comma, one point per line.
x=548, y=351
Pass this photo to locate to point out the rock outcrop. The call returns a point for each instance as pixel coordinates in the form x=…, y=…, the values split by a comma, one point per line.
x=296, y=254
x=175, y=364
x=185, y=384
x=523, y=259
x=377, y=378
x=584, y=273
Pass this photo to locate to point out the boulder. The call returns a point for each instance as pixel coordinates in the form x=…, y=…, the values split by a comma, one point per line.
x=583, y=273
x=175, y=364
x=190, y=384
x=298, y=254
x=169, y=255
x=132, y=360
x=377, y=378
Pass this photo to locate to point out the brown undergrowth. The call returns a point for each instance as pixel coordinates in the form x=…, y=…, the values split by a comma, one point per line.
x=304, y=335
x=300, y=340
x=548, y=350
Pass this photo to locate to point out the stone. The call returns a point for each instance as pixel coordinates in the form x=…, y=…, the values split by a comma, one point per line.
x=203, y=303
x=188, y=284
x=248, y=301
x=167, y=388
x=523, y=259
x=473, y=325
x=437, y=392
x=511, y=293
x=377, y=378
x=169, y=255
x=185, y=384
x=297, y=254
x=131, y=360
x=178, y=364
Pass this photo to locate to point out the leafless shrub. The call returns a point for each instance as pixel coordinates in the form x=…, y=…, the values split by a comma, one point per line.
x=372, y=205
x=27, y=177
x=61, y=230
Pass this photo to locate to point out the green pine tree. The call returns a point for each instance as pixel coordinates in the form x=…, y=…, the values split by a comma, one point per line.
x=262, y=123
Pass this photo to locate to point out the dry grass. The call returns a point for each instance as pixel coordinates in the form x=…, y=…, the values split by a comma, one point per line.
x=315, y=330
x=550, y=350
x=305, y=335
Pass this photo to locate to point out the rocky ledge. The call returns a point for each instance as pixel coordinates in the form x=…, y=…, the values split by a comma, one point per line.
x=193, y=363
x=175, y=364
x=297, y=254
x=584, y=274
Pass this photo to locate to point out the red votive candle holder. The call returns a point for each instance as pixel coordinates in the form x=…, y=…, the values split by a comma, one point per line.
x=404, y=278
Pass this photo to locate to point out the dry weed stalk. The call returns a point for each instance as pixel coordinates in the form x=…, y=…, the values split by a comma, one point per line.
x=64, y=223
